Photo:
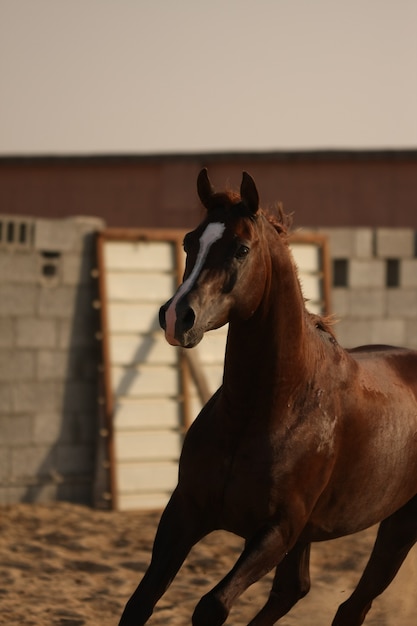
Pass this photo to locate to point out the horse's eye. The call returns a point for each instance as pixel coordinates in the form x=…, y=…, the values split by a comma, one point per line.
x=241, y=252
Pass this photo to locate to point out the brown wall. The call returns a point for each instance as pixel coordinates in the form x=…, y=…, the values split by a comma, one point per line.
x=320, y=188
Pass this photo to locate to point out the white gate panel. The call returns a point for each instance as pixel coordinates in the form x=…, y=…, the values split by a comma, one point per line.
x=142, y=371
x=157, y=478
x=131, y=414
x=147, y=445
x=131, y=349
x=126, y=317
x=145, y=381
x=132, y=255
x=137, y=286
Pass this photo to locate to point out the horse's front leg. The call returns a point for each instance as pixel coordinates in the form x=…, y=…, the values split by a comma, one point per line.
x=177, y=532
x=260, y=556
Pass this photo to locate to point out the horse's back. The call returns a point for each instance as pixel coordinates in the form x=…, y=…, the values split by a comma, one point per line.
x=392, y=365
x=370, y=349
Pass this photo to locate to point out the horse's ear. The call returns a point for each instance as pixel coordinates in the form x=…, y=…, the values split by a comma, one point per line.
x=249, y=193
x=204, y=188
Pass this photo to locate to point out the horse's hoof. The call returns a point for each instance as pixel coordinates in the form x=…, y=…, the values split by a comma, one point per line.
x=210, y=611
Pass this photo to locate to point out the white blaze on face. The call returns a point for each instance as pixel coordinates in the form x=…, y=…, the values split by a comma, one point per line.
x=212, y=233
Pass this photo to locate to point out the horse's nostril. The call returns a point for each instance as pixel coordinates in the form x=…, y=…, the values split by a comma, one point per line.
x=162, y=320
x=188, y=319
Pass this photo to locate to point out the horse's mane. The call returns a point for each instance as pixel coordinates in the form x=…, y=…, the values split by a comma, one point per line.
x=280, y=220
x=324, y=323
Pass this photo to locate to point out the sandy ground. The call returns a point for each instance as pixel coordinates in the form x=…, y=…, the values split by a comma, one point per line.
x=68, y=565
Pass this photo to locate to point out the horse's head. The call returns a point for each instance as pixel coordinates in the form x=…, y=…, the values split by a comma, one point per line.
x=224, y=272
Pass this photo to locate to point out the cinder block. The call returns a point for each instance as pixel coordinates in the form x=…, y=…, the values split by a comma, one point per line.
x=31, y=461
x=367, y=273
x=79, y=331
x=363, y=243
x=45, y=490
x=52, y=365
x=64, y=427
x=17, y=300
x=393, y=243
x=341, y=242
x=36, y=396
x=367, y=303
x=340, y=302
x=6, y=398
x=13, y=494
x=78, y=428
x=5, y=464
x=18, y=267
x=352, y=332
x=72, y=234
x=76, y=269
x=59, y=302
x=7, y=332
x=74, y=459
x=82, y=365
x=77, y=489
x=411, y=334
x=15, y=430
x=402, y=303
x=348, y=243
x=47, y=427
x=85, y=428
x=388, y=331
x=17, y=365
x=32, y=332
x=86, y=228
x=55, y=235
x=79, y=396
x=65, y=302
x=409, y=273
x=29, y=491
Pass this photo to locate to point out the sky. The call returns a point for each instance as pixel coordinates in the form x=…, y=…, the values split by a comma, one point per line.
x=170, y=76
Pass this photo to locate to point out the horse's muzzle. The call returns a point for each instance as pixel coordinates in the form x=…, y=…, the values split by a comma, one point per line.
x=177, y=320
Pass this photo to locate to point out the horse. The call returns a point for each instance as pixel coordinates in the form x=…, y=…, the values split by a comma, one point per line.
x=304, y=441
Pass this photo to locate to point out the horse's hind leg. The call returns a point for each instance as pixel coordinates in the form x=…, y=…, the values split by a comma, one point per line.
x=396, y=536
x=291, y=583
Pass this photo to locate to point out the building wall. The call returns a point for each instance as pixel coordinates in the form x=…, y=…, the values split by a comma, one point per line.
x=48, y=359
x=332, y=189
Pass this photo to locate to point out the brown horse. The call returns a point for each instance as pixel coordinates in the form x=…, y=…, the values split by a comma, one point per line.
x=304, y=441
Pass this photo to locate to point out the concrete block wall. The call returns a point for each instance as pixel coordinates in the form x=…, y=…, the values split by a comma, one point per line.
x=48, y=359
x=378, y=301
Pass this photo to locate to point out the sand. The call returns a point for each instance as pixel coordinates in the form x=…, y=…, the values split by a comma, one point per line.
x=69, y=565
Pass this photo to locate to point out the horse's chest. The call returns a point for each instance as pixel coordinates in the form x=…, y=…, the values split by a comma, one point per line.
x=246, y=477
x=233, y=473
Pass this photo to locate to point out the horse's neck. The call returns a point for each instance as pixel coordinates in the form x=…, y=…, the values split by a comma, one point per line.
x=267, y=352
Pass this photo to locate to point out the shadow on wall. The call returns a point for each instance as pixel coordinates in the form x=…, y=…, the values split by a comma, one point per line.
x=49, y=357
